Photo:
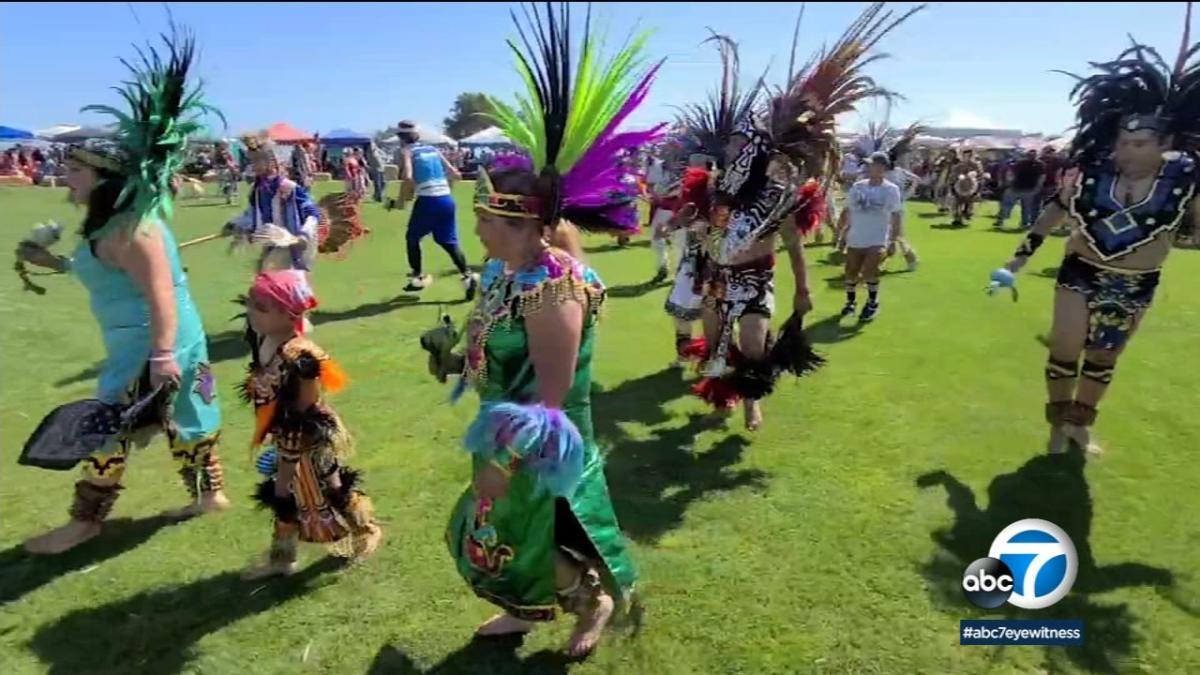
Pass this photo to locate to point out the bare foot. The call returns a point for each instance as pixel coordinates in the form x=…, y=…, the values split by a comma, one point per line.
x=366, y=544
x=62, y=539
x=589, y=628
x=270, y=569
x=209, y=502
x=754, y=416
x=503, y=624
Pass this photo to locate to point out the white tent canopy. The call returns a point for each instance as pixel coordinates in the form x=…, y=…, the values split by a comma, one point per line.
x=55, y=130
x=426, y=133
x=488, y=136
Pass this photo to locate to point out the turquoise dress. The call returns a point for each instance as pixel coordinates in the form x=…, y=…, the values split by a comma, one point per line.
x=124, y=318
x=504, y=548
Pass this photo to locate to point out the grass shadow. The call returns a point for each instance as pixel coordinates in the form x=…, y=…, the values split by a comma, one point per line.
x=831, y=330
x=155, y=632
x=839, y=281
x=930, y=215
x=480, y=656
x=950, y=226
x=654, y=480
x=614, y=246
x=22, y=573
x=636, y=290
x=1053, y=488
x=1048, y=273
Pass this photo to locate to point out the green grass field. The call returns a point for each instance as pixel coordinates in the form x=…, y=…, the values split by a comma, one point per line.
x=832, y=541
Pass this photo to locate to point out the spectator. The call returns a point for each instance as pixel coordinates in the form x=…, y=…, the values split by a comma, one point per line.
x=1028, y=177
x=374, y=159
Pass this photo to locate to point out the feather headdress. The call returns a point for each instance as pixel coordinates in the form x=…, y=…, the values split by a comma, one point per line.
x=709, y=125
x=1139, y=90
x=802, y=115
x=879, y=137
x=151, y=137
x=567, y=120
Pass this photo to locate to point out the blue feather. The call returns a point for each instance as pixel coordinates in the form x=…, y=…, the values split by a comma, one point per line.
x=545, y=439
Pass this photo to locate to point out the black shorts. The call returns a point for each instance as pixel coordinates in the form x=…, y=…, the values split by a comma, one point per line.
x=1114, y=299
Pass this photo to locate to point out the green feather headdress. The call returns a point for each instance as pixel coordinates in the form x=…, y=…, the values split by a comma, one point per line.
x=564, y=110
x=151, y=138
x=568, y=118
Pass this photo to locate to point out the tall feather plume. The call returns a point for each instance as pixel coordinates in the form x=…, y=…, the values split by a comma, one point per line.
x=162, y=115
x=564, y=109
x=569, y=116
x=1139, y=81
x=710, y=124
x=802, y=115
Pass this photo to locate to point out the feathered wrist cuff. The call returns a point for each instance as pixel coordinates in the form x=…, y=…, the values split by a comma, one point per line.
x=1029, y=245
x=534, y=438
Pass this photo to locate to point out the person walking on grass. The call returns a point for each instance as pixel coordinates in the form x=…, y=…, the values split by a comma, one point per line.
x=427, y=175
x=871, y=222
x=1028, y=177
x=156, y=347
x=1132, y=187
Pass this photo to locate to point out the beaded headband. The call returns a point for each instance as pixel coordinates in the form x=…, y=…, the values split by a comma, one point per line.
x=500, y=204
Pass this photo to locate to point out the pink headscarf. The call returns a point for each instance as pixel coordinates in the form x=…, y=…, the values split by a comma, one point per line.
x=287, y=289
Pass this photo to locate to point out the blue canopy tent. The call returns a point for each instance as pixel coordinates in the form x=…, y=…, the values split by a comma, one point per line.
x=11, y=134
x=342, y=138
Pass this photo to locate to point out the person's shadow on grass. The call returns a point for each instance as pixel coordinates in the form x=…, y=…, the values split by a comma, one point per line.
x=1053, y=488
x=614, y=246
x=154, y=632
x=480, y=656
x=22, y=572
x=833, y=329
x=653, y=481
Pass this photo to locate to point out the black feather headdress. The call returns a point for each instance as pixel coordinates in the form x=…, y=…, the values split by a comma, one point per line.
x=708, y=125
x=1139, y=90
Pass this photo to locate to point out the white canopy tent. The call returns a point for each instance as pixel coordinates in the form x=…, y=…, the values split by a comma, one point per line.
x=50, y=132
x=488, y=136
x=426, y=133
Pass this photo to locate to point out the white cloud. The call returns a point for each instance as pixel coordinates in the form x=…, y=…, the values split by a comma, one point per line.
x=965, y=118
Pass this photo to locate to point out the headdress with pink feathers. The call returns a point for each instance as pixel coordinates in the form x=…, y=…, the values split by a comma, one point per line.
x=568, y=122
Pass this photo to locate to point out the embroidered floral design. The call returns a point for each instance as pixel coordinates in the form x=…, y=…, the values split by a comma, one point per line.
x=206, y=383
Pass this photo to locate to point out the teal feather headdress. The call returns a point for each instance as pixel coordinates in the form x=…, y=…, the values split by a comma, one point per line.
x=150, y=140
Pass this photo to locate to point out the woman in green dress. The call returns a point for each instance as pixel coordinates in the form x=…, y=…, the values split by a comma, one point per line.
x=535, y=530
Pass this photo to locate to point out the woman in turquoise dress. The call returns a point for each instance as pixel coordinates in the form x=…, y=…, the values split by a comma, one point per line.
x=129, y=262
x=535, y=531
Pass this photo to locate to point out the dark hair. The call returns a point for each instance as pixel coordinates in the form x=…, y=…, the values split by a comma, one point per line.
x=102, y=202
x=408, y=137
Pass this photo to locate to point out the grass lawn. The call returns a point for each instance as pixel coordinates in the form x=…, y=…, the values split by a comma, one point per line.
x=831, y=541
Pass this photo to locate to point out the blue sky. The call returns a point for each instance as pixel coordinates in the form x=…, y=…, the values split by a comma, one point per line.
x=365, y=66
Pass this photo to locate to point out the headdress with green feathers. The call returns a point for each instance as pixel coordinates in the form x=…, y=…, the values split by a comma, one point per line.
x=148, y=146
x=567, y=121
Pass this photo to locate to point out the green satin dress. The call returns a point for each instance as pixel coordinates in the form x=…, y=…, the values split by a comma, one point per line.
x=504, y=548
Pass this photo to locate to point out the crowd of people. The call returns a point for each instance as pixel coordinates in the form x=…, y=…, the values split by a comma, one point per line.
x=535, y=532
x=33, y=162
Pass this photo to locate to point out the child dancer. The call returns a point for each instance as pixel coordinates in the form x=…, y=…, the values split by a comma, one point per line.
x=314, y=496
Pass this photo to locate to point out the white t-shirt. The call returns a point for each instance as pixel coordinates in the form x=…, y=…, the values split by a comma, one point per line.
x=656, y=174
x=870, y=209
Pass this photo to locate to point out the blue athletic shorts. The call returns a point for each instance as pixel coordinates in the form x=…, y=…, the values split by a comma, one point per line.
x=434, y=215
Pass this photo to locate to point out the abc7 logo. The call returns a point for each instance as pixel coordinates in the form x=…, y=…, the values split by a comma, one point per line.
x=1043, y=558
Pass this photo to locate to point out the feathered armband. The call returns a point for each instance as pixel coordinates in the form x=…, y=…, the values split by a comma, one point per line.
x=534, y=438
